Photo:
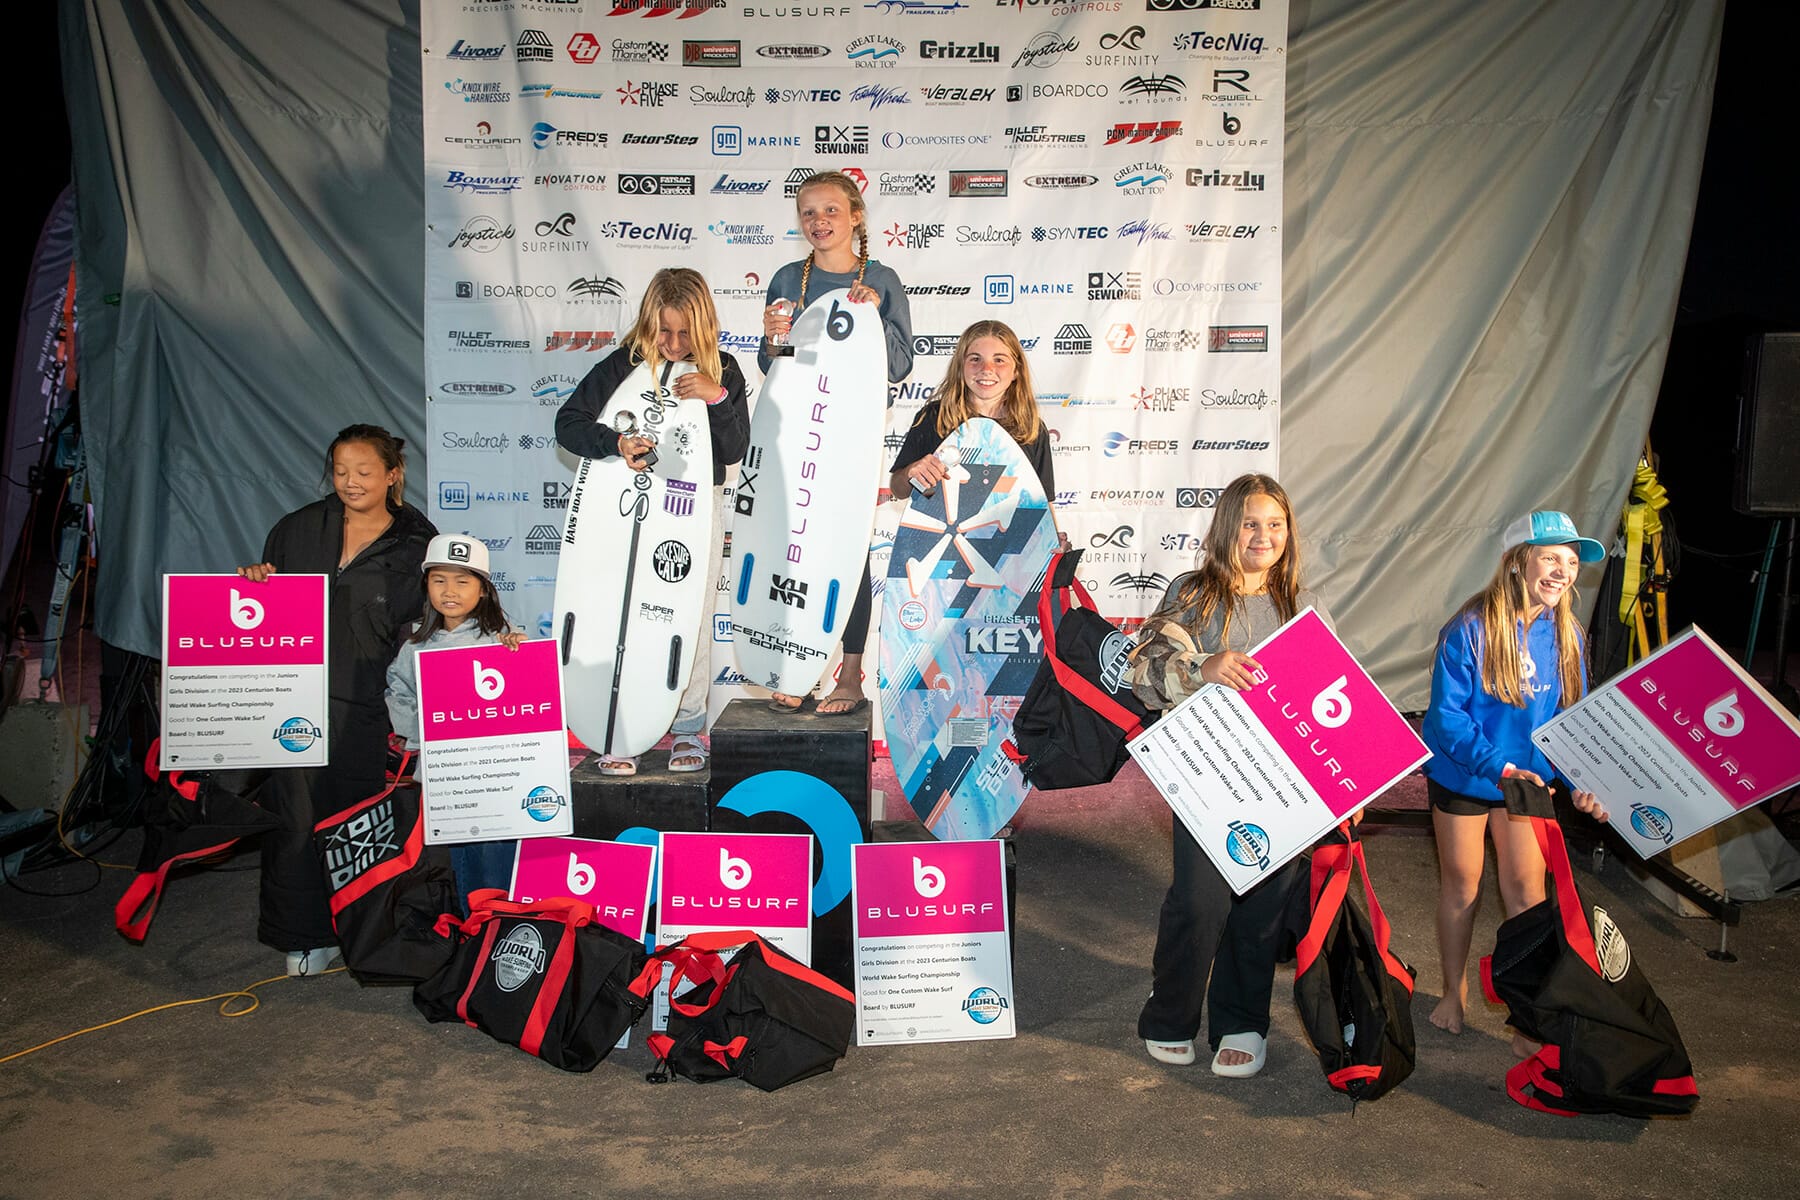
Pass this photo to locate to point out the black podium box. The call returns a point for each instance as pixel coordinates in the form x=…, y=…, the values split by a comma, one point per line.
x=749, y=740
x=654, y=798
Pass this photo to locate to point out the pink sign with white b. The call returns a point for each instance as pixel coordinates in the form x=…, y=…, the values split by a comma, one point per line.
x=614, y=877
x=933, y=962
x=1258, y=776
x=1675, y=744
x=495, y=756
x=244, y=672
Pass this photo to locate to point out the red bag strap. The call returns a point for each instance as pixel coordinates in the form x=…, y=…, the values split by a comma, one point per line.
x=660, y=1044
x=1535, y=1072
x=1342, y=1079
x=1568, y=899
x=487, y=948
x=777, y=960
x=1384, y=931
x=556, y=977
x=137, y=907
x=189, y=788
x=1487, y=980
x=723, y=1053
x=487, y=903
x=1331, y=882
x=1072, y=680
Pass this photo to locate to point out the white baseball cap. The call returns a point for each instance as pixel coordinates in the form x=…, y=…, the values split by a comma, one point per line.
x=457, y=550
x=1548, y=527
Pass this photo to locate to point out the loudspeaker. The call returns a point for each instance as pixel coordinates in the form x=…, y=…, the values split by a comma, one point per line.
x=1768, y=441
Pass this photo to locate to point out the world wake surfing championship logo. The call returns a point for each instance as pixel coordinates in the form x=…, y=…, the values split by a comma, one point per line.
x=1652, y=823
x=298, y=734
x=543, y=803
x=1248, y=845
x=984, y=1005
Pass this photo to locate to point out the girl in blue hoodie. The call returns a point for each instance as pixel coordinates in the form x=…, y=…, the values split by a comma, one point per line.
x=1511, y=658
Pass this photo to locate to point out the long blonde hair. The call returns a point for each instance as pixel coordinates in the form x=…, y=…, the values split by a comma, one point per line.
x=1499, y=609
x=1214, y=582
x=859, y=208
x=1018, y=411
x=684, y=290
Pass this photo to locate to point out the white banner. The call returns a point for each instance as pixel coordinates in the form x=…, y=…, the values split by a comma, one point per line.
x=1103, y=175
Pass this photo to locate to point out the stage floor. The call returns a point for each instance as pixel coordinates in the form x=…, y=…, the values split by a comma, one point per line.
x=332, y=1090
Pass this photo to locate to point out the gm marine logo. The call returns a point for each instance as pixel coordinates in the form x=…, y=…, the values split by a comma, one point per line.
x=1652, y=823
x=1248, y=845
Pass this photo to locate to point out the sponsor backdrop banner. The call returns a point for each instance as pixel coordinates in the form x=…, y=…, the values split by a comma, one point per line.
x=1676, y=744
x=1105, y=177
x=495, y=755
x=1260, y=775
x=244, y=672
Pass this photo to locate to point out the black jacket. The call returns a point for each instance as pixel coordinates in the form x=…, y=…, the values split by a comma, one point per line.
x=373, y=600
x=579, y=432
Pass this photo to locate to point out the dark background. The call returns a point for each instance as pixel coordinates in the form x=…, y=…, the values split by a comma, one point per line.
x=1739, y=282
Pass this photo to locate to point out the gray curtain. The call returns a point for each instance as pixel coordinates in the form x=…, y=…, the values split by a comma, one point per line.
x=1488, y=207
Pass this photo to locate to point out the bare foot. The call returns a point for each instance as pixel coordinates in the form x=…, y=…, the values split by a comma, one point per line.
x=1234, y=1058
x=1448, y=1015
x=1524, y=1047
x=783, y=700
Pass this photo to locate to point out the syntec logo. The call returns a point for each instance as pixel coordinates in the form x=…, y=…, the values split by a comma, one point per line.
x=1068, y=233
x=656, y=185
x=802, y=95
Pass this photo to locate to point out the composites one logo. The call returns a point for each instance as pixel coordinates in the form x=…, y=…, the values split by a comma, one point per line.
x=1248, y=845
x=1652, y=823
x=297, y=734
x=518, y=957
x=1046, y=49
x=984, y=1005
x=875, y=50
x=1141, y=179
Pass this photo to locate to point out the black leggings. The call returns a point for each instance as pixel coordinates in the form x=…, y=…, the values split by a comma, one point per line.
x=856, y=625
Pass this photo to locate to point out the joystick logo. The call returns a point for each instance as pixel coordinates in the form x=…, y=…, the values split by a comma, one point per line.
x=248, y=614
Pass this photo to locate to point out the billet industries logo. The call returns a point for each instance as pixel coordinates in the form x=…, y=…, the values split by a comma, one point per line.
x=1042, y=135
x=1046, y=49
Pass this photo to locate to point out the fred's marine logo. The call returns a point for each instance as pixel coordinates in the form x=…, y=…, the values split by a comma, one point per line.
x=1653, y=823
x=1248, y=845
x=517, y=957
x=297, y=734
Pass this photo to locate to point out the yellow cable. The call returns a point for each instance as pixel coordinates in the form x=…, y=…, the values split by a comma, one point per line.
x=225, y=997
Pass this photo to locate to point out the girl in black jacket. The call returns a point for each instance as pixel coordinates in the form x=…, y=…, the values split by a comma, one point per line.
x=370, y=543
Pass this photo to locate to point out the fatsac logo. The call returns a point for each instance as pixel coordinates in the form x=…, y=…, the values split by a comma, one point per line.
x=1141, y=179
x=478, y=93
x=545, y=136
x=984, y=1005
x=1197, y=5
x=874, y=50
x=1652, y=823
x=934, y=345
x=517, y=957
x=640, y=184
x=1248, y=845
x=1130, y=133
x=1197, y=497
x=297, y=734
x=474, y=184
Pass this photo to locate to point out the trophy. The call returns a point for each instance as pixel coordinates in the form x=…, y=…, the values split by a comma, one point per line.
x=778, y=345
x=626, y=424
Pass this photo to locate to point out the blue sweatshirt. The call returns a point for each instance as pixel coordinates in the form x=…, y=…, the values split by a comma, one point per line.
x=403, y=673
x=896, y=311
x=1471, y=735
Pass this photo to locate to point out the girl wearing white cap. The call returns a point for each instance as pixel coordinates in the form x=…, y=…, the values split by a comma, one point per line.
x=461, y=609
x=1510, y=659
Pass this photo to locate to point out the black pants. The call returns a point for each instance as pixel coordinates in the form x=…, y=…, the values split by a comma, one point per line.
x=1205, y=927
x=856, y=625
x=294, y=911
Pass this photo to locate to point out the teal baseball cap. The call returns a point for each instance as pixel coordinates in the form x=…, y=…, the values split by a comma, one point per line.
x=1548, y=527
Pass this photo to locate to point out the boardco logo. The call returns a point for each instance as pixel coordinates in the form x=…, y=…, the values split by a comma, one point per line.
x=927, y=881
x=1331, y=707
x=1723, y=716
x=489, y=683
x=245, y=612
x=734, y=873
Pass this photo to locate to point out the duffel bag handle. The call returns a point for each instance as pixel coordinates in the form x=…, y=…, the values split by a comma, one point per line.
x=487, y=903
x=1072, y=680
x=1568, y=899
x=778, y=960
